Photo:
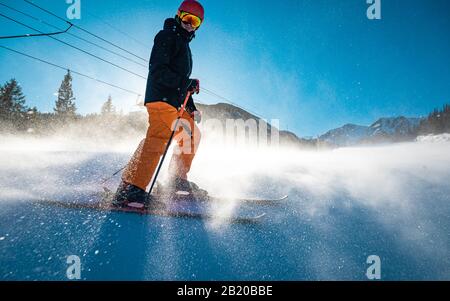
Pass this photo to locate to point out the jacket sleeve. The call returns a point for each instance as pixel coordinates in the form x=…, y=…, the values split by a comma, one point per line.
x=163, y=51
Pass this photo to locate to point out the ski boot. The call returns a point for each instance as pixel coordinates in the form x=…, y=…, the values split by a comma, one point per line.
x=183, y=188
x=131, y=196
x=128, y=195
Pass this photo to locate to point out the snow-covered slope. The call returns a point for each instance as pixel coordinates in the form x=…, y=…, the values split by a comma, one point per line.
x=434, y=138
x=344, y=205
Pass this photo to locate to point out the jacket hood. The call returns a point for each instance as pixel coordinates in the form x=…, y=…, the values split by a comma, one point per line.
x=172, y=24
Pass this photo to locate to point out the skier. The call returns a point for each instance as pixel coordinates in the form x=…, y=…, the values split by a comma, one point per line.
x=167, y=86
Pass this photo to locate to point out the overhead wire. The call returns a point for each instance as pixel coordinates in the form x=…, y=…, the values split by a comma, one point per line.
x=86, y=31
x=29, y=35
x=77, y=48
x=119, y=30
x=71, y=34
x=73, y=71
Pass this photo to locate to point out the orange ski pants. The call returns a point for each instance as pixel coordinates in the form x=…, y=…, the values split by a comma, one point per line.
x=162, y=118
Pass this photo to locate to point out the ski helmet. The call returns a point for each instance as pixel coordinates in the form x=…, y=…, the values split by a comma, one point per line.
x=193, y=7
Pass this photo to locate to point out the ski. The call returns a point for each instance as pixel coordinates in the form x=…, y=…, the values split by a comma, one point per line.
x=256, y=201
x=203, y=196
x=248, y=219
x=207, y=198
x=181, y=208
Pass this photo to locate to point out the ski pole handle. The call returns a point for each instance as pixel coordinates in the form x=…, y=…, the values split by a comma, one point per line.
x=183, y=107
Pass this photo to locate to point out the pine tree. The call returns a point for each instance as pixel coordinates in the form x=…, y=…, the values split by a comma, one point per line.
x=438, y=122
x=12, y=103
x=446, y=118
x=108, y=109
x=65, y=106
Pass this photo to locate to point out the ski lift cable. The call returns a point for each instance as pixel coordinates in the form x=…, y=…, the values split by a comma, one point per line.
x=73, y=71
x=42, y=34
x=71, y=34
x=230, y=102
x=86, y=31
x=77, y=48
x=119, y=30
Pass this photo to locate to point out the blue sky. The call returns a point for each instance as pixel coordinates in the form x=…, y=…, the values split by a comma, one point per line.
x=313, y=64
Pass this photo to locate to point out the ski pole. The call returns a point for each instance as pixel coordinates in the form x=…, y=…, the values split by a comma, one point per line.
x=180, y=114
x=112, y=176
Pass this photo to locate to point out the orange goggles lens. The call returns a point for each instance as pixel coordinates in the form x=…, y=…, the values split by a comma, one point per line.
x=190, y=19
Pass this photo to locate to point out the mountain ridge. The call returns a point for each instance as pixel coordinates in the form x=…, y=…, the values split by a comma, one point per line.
x=383, y=130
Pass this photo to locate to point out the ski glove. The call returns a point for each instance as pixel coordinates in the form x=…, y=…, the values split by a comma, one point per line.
x=194, y=86
x=197, y=116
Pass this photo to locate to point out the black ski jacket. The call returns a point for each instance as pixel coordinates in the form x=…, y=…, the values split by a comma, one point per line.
x=170, y=66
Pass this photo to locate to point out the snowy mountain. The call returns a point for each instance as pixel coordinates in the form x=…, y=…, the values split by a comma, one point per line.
x=398, y=126
x=346, y=135
x=391, y=129
x=384, y=130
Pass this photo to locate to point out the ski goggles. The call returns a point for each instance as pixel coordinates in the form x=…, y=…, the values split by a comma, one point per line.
x=189, y=18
